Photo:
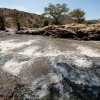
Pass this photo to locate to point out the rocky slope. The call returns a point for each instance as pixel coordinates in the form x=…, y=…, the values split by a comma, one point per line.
x=71, y=31
x=27, y=19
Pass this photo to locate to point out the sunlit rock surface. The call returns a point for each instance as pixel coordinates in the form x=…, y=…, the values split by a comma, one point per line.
x=69, y=31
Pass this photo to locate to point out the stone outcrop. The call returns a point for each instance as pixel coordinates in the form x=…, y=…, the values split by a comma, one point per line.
x=70, y=31
x=12, y=88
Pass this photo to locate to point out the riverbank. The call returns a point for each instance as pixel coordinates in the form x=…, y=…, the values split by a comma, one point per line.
x=69, y=31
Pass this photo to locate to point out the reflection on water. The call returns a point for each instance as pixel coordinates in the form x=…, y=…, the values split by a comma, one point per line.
x=57, y=66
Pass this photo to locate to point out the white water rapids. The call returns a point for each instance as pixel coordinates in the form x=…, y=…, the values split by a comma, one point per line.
x=36, y=58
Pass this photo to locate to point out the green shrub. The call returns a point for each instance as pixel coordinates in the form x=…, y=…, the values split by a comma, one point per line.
x=36, y=25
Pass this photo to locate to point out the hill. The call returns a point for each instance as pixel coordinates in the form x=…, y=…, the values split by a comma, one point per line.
x=93, y=21
x=27, y=19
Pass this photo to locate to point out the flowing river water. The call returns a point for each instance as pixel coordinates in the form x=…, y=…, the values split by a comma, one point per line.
x=53, y=69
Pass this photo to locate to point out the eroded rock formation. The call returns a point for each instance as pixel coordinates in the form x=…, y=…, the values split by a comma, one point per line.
x=71, y=31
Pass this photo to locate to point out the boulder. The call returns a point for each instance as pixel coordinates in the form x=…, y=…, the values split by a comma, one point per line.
x=10, y=87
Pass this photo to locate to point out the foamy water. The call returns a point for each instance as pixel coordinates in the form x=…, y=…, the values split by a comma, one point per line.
x=40, y=61
x=29, y=51
x=88, y=51
x=13, y=66
x=49, y=50
x=7, y=46
x=74, y=61
x=82, y=62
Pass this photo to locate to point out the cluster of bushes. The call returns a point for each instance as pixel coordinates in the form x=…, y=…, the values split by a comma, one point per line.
x=58, y=10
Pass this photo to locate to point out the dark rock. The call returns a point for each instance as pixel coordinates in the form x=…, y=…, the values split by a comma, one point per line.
x=6, y=30
x=10, y=87
x=94, y=37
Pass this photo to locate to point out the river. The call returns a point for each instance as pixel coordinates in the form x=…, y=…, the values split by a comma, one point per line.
x=53, y=68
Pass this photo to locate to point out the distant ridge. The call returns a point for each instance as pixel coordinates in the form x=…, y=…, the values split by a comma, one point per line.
x=93, y=21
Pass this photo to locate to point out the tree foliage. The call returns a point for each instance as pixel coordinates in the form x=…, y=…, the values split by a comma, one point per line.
x=56, y=11
x=36, y=25
x=17, y=20
x=77, y=15
x=2, y=20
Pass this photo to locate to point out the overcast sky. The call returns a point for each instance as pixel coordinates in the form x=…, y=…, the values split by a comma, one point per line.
x=91, y=7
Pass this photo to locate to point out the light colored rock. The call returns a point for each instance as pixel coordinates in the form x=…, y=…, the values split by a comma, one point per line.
x=54, y=79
